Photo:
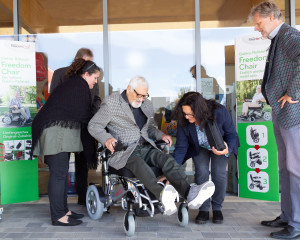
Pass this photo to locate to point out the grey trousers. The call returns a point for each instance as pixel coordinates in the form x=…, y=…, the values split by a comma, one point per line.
x=218, y=176
x=144, y=157
x=24, y=111
x=289, y=171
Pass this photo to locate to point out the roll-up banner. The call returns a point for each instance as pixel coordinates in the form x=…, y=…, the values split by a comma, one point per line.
x=18, y=174
x=257, y=157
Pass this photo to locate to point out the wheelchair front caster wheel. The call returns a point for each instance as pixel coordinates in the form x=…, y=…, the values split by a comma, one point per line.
x=129, y=224
x=183, y=215
x=94, y=206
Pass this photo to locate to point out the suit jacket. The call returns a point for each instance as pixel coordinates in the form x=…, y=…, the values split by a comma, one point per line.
x=187, y=144
x=283, y=75
x=59, y=76
x=115, y=119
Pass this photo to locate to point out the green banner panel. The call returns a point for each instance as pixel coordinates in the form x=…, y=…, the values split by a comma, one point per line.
x=19, y=181
x=258, y=166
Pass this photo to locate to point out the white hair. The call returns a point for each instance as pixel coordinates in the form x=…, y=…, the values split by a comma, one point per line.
x=138, y=81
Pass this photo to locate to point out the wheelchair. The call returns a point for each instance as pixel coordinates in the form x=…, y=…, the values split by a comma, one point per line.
x=120, y=186
x=12, y=116
x=257, y=112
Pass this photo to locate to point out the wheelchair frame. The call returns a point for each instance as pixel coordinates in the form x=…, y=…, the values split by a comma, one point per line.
x=135, y=198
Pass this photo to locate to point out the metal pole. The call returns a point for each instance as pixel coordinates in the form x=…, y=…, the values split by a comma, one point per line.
x=292, y=13
x=197, y=46
x=16, y=19
x=105, y=49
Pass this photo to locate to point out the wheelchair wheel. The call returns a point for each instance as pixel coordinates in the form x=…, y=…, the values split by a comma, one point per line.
x=267, y=116
x=94, y=206
x=183, y=215
x=6, y=120
x=252, y=119
x=129, y=224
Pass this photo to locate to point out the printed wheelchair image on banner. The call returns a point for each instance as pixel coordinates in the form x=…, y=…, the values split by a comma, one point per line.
x=251, y=105
x=17, y=106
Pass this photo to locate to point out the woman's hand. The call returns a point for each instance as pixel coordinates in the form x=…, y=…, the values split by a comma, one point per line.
x=223, y=152
x=163, y=179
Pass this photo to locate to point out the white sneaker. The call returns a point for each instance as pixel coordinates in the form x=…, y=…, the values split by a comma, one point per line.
x=198, y=194
x=167, y=199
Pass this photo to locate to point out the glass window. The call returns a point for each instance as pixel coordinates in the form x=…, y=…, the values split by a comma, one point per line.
x=217, y=46
x=6, y=18
x=39, y=16
x=153, y=39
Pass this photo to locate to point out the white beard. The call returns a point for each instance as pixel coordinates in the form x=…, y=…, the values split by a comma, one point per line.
x=136, y=104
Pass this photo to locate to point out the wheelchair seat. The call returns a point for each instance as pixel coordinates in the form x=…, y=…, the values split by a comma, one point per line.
x=124, y=172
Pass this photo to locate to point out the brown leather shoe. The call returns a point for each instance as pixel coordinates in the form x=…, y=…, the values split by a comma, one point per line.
x=277, y=222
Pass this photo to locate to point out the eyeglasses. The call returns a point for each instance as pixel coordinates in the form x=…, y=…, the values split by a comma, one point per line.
x=188, y=115
x=141, y=95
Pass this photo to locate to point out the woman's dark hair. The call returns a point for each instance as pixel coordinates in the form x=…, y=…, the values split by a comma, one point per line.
x=81, y=66
x=203, y=109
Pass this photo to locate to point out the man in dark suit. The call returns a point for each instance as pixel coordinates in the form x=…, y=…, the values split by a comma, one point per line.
x=281, y=89
x=81, y=169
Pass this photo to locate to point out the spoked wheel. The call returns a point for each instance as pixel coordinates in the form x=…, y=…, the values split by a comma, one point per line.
x=94, y=206
x=183, y=215
x=6, y=120
x=129, y=224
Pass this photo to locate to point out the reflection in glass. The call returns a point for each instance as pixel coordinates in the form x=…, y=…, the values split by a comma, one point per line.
x=6, y=18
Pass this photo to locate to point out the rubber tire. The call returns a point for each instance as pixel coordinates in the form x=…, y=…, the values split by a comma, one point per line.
x=94, y=206
x=252, y=119
x=130, y=229
x=184, y=216
x=267, y=116
x=6, y=120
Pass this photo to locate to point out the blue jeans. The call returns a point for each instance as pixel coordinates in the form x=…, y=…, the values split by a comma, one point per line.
x=218, y=176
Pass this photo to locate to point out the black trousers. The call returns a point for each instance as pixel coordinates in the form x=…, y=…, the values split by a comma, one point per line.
x=81, y=175
x=144, y=157
x=58, y=183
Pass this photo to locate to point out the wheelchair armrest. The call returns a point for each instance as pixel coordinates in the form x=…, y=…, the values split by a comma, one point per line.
x=160, y=144
x=103, y=149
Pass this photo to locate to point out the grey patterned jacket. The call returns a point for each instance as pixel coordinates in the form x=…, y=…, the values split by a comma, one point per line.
x=115, y=119
x=284, y=76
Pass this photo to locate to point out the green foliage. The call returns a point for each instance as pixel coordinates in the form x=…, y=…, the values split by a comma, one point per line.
x=182, y=91
x=246, y=89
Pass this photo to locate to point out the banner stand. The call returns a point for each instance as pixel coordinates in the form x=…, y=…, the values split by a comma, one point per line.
x=18, y=174
x=258, y=160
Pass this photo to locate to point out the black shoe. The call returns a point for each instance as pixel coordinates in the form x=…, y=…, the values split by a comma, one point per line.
x=288, y=232
x=217, y=217
x=75, y=215
x=203, y=217
x=71, y=222
x=277, y=222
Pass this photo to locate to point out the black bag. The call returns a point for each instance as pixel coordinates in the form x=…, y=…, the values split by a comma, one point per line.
x=214, y=136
